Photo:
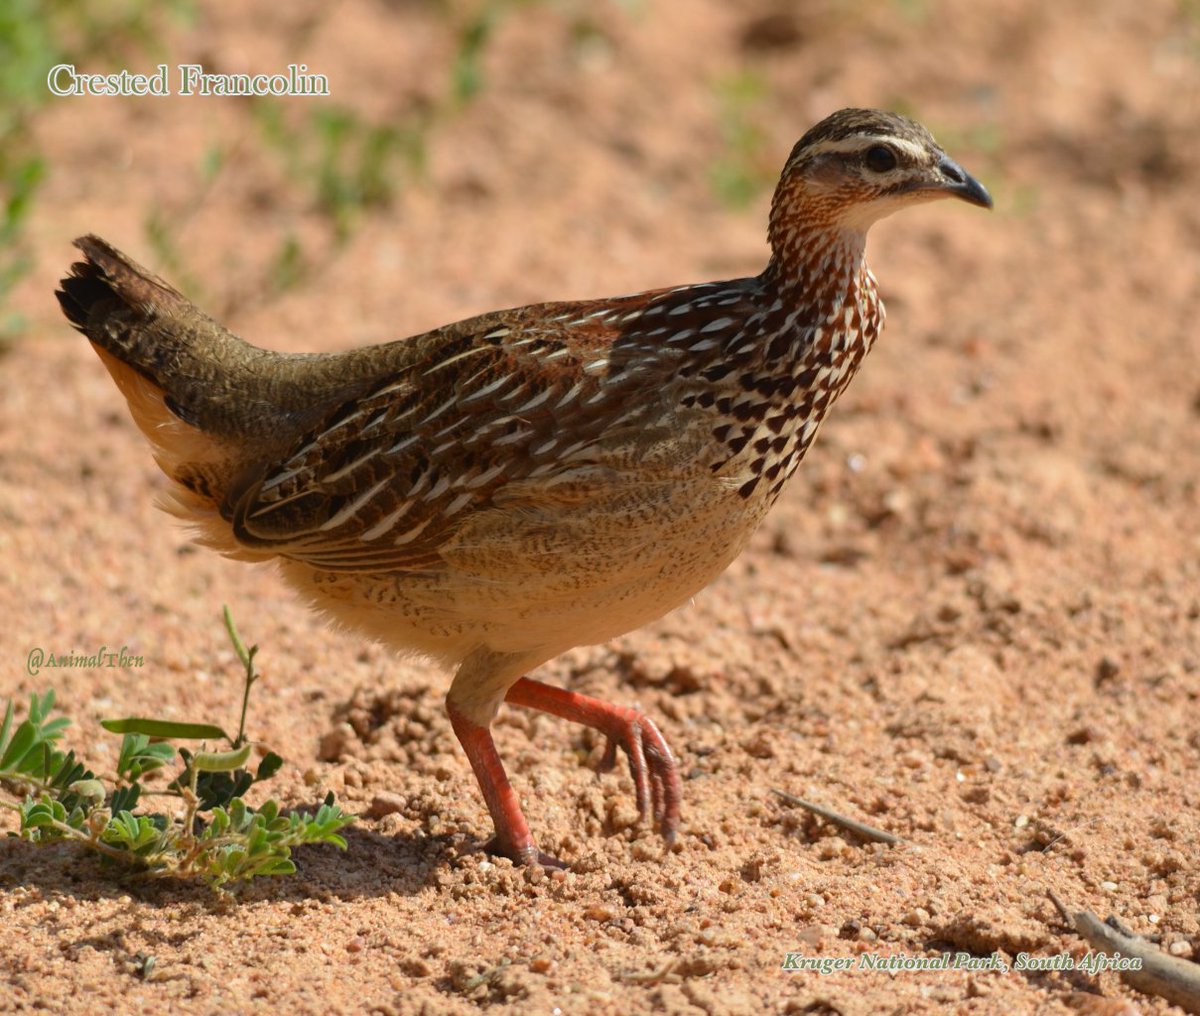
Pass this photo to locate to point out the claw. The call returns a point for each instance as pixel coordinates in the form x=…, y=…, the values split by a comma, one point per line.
x=526, y=856
x=608, y=761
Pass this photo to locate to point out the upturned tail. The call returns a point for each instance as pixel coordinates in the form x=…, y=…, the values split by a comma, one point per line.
x=151, y=330
x=210, y=404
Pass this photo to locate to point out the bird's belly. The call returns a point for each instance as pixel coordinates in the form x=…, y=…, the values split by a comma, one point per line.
x=545, y=579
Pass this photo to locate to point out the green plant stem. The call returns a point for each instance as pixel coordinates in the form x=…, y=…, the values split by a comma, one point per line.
x=78, y=834
x=251, y=677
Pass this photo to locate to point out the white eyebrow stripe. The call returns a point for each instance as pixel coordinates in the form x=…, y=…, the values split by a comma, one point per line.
x=860, y=142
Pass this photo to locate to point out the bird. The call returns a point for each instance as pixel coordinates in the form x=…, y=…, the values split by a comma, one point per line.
x=497, y=491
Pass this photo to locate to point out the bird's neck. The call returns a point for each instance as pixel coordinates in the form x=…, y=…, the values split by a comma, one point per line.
x=817, y=266
x=819, y=277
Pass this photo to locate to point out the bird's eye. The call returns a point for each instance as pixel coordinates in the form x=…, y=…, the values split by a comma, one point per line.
x=880, y=159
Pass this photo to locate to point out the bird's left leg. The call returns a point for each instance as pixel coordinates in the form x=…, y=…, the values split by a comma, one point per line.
x=474, y=697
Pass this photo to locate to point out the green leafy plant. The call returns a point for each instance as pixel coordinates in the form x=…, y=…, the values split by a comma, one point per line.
x=212, y=834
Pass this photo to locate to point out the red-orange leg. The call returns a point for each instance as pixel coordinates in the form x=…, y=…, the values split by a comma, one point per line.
x=513, y=839
x=655, y=773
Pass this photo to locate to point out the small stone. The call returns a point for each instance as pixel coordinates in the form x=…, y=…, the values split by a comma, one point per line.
x=1106, y=670
x=1180, y=948
x=761, y=745
x=645, y=850
x=817, y=933
x=416, y=968
x=386, y=803
x=916, y=917
x=831, y=848
x=337, y=743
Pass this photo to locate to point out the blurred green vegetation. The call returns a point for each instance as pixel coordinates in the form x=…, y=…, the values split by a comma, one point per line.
x=741, y=172
x=34, y=36
x=349, y=163
x=338, y=163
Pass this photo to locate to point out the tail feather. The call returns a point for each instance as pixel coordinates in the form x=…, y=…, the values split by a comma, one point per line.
x=145, y=334
x=154, y=330
x=213, y=407
x=110, y=288
x=166, y=356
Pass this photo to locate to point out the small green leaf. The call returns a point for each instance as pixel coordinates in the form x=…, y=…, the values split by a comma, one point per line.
x=22, y=741
x=268, y=767
x=276, y=866
x=244, y=654
x=38, y=815
x=222, y=761
x=7, y=724
x=40, y=708
x=125, y=798
x=164, y=728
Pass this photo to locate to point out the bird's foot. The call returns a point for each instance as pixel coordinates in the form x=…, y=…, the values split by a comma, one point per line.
x=653, y=768
x=523, y=854
x=655, y=772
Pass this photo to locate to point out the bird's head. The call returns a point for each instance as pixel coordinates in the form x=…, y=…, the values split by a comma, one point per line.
x=858, y=165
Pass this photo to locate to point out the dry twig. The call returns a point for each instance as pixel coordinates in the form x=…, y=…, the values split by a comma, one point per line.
x=853, y=825
x=1176, y=980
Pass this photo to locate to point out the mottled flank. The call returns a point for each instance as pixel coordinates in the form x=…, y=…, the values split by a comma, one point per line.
x=502, y=489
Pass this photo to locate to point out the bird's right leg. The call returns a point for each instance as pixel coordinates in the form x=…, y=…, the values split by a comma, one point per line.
x=471, y=703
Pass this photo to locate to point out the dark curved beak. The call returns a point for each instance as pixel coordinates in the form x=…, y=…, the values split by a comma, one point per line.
x=961, y=184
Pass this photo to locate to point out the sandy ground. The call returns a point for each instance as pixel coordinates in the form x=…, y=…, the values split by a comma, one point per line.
x=973, y=619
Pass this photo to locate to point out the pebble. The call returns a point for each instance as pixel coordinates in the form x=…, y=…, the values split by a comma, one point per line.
x=336, y=743
x=386, y=803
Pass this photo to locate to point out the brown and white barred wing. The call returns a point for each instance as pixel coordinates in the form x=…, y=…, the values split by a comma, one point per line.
x=388, y=477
